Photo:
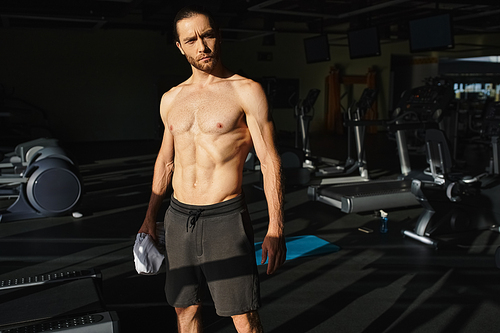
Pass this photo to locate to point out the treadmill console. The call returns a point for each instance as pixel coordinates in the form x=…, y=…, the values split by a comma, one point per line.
x=426, y=103
x=491, y=120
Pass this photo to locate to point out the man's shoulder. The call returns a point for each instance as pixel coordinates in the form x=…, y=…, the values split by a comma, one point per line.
x=250, y=93
x=168, y=99
x=239, y=79
x=244, y=83
x=174, y=91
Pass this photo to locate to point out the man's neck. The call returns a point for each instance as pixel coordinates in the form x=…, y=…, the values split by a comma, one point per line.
x=219, y=72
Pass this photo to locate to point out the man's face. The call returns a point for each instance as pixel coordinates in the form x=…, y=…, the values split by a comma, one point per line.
x=198, y=42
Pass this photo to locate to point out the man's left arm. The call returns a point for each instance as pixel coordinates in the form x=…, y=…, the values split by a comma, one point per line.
x=262, y=131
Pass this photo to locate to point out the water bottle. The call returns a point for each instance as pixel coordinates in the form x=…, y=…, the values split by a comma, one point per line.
x=383, y=222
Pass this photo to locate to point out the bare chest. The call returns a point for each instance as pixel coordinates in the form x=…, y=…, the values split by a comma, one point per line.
x=209, y=112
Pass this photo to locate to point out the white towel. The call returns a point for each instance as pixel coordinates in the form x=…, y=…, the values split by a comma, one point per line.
x=147, y=257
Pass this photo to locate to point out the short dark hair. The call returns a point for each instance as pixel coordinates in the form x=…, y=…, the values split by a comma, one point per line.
x=190, y=11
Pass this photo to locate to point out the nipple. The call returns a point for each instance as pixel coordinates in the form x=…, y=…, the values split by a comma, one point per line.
x=171, y=128
x=219, y=125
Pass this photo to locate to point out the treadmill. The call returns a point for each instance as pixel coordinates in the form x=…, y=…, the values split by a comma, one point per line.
x=419, y=108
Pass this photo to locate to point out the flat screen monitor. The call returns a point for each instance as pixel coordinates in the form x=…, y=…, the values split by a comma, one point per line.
x=364, y=43
x=431, y=33
x=317, y=49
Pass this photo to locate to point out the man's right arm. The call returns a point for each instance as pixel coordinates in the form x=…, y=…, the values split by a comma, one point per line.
x=163, y=170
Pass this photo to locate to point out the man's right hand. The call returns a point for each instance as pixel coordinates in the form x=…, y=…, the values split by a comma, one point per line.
x=149, y=227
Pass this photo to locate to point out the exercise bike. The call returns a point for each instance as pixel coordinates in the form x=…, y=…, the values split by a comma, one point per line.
x=43, y=180
x=455, y=201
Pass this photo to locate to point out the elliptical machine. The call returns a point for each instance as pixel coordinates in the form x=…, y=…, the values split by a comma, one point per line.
x=325, y=167
x=304, y=112
x=42, y=178
x=352, y=119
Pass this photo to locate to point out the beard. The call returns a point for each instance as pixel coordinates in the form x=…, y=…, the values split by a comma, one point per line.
x=206, y=66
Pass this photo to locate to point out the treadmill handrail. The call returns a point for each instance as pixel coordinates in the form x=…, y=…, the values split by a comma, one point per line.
x=392, y=127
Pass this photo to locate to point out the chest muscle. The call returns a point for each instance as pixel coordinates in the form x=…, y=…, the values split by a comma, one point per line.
x=207, y=112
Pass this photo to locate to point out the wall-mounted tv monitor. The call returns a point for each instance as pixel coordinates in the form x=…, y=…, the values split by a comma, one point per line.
x=317, y=49
x=431, y=33
x=364, y=43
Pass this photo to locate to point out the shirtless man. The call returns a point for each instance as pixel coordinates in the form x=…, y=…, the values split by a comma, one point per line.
x=211, y=121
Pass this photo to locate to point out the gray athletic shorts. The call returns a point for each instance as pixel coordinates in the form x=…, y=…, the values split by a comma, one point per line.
x=211, y=245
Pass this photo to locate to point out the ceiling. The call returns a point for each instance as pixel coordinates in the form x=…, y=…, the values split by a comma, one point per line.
x=244, y=19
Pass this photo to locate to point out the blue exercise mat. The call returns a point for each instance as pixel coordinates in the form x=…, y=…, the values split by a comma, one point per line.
x=301, y=246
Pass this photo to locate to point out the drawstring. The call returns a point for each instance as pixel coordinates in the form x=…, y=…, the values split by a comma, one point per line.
x=194, y=215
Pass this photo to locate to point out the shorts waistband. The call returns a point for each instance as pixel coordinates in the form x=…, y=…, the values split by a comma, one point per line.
x=219, y=208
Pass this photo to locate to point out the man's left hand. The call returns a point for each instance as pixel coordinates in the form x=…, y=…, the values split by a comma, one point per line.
x=274, y=248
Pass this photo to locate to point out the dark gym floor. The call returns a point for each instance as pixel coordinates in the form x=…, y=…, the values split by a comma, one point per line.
x=375, y=283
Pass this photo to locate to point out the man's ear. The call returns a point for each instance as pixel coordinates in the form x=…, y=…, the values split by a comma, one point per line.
x=179, y=47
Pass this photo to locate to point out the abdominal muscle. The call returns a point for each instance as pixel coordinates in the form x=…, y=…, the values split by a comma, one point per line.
x=209, y=172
